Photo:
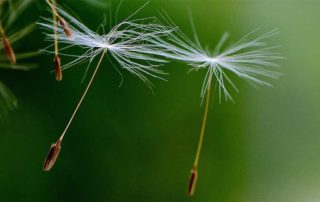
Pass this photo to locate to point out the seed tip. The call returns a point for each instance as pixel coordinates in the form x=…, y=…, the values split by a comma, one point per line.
x=9, y=50
x=65, y=26
x=57, y=64
x=52, y=155
x=192, y=181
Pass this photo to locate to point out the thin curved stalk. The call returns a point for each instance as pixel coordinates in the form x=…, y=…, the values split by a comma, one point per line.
x=194, y=172
x=55, y=148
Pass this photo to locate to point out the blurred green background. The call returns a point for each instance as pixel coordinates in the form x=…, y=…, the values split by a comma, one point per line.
x=128, y=144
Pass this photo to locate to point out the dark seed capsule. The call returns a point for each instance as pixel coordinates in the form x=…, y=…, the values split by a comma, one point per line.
x=9, y=51
x=65, y=27
x=57, y=64
x=192, y=181
x=52, y=156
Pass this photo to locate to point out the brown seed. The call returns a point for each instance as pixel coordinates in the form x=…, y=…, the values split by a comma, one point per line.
x=65, y=27
x=52, y=155
x=192, y=181
x=57, y=64
x=9, y=51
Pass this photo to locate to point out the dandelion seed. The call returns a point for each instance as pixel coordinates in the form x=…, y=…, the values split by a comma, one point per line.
x=7, y=46
x=192, y=181
x=65, y=26
x=52, y=155
x=57, y=61
x=248, y=59
x=11, y=11
x=9, y=51
x=133, y=44
x=57, y=64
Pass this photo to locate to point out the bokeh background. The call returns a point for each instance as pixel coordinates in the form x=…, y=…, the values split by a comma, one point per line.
x=129, y=144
